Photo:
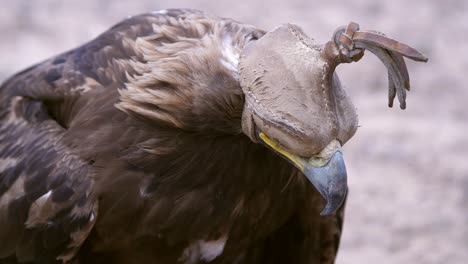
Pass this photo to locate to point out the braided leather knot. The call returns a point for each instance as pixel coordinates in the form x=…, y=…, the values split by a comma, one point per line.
x=348, y=45
x=343, y=38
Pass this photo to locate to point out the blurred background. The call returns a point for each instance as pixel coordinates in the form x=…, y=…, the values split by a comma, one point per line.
x=408, y=170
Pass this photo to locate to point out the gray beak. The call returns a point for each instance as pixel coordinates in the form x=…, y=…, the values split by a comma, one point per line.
x=330, y=180
x=326, y=171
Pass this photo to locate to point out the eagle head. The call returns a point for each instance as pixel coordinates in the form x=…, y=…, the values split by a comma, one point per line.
x=296, y=106
x=279, y=88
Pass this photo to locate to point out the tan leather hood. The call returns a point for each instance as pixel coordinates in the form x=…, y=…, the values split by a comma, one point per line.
x=292, y=92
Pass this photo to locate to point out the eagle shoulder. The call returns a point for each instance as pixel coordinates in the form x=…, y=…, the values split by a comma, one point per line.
x=47, y=201
x=47, y=207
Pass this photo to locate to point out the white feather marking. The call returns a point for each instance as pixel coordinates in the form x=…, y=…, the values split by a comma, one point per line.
x=230, y=56
x=15, y=191
x=86, y=86
x=212, y=249
x=162, y=12
x=228, y=66
x=12, y=117
x=230, y=52
x=78, y=237
x=7, y=163
x=203, y=250
x=37, y=211
x=45, y=197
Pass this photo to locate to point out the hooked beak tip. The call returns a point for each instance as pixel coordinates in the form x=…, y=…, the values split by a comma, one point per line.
x=327, y=171
x=331, y=181
x=333, y=204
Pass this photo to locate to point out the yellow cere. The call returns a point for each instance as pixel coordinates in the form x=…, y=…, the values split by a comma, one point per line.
x=295, y=159
x=317, y=162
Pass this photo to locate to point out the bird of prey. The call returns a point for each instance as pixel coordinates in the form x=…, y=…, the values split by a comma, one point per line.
x=181, y=137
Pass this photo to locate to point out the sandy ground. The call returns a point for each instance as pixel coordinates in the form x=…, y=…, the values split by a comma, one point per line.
x=408, y=169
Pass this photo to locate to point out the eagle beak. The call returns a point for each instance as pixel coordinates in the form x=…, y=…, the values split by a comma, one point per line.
x=326, y=171
x=330, y=180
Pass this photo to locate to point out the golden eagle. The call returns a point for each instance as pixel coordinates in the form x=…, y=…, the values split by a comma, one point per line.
x=181, y=137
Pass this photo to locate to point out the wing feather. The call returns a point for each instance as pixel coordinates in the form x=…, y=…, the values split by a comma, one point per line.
x=47, y=204
x=44, y=189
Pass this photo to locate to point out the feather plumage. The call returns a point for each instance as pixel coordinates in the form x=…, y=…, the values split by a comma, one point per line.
x=129, y=149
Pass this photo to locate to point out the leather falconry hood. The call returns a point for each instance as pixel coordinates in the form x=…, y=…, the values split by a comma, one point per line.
x=294, y=100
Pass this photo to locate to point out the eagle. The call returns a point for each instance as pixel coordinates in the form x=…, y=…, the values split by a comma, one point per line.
x=180, y=137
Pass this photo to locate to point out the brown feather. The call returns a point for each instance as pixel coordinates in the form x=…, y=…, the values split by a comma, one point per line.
x=129, y=149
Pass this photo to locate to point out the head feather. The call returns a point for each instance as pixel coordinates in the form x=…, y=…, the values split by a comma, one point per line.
x=188, y=76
